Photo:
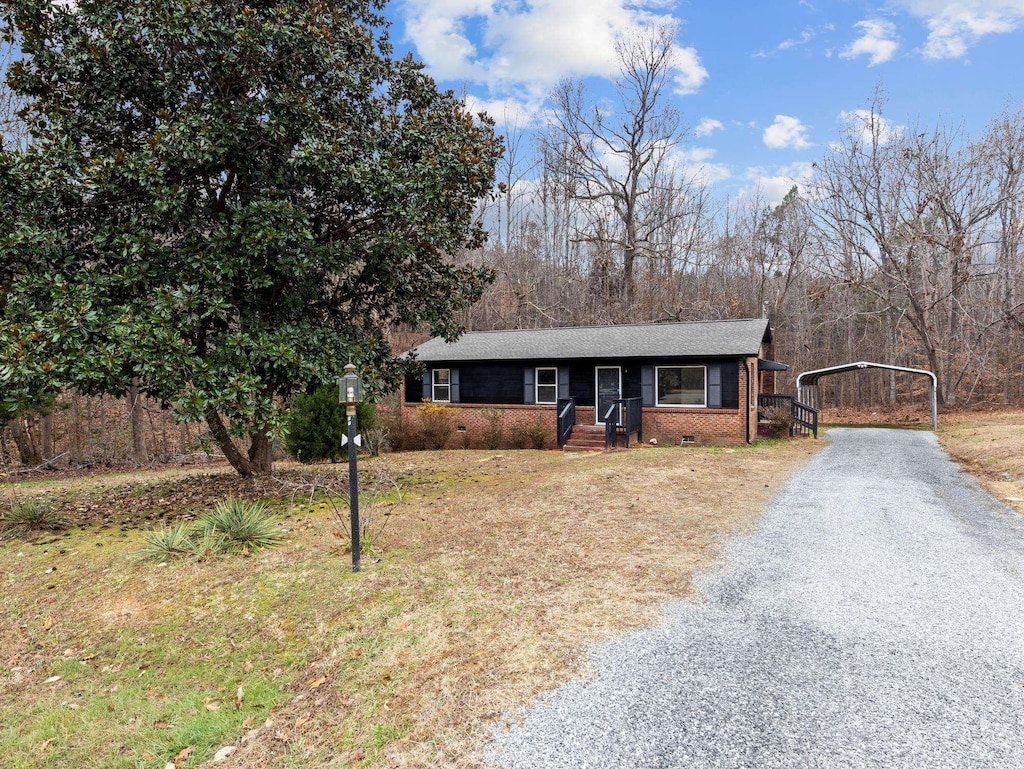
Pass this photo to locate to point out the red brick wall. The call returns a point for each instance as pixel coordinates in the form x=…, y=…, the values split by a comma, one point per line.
x=705, y=426
x=469, y=416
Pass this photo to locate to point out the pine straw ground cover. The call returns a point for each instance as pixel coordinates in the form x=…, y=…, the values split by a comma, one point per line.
x=990, y=445
x=496, y=569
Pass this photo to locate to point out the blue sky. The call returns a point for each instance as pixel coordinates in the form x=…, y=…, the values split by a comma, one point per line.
x=764, y=86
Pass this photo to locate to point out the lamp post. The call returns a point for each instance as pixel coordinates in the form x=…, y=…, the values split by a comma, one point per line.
x=350, y=393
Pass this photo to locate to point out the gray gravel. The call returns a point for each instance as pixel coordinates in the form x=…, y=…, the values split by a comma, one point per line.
x=874, y=619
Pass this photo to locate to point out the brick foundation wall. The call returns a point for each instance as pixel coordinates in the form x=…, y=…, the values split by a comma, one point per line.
x=470, y=417
x=703, y=426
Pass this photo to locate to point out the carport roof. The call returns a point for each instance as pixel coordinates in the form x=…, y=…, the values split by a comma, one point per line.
x=649, y=340
x=809, y=378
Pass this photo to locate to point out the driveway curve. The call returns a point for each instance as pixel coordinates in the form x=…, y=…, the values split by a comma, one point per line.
x=874, y=619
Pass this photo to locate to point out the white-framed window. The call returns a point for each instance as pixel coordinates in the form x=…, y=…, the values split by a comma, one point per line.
x=547, y=385
x=682, y=386
x=441, y=385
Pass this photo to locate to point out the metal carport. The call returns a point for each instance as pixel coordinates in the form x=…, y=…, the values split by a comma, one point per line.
x=809, y=379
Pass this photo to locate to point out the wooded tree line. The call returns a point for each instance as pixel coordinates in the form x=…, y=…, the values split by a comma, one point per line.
x=905, y=247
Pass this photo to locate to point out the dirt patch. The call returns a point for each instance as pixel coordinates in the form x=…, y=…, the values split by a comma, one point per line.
x=906, y=415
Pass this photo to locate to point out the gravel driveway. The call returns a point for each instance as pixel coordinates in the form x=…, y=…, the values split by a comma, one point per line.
x=874, y=619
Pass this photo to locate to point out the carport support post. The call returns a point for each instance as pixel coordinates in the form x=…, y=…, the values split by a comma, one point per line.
x=935, y=405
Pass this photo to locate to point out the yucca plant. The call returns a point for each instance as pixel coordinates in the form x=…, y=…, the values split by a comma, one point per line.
x=32, y=515
x=169, y=543
x=236, y=526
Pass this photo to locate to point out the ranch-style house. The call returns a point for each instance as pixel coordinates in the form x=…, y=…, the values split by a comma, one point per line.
x=696, y=382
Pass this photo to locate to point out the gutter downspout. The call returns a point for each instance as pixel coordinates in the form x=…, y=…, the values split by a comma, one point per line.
x=746, y=405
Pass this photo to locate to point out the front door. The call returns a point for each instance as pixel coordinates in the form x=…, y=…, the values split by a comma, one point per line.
x=609, y=389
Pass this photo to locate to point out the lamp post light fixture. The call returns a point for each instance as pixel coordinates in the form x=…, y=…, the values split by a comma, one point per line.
x=350, y=392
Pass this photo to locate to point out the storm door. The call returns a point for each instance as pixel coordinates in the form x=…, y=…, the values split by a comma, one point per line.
x=609, y=389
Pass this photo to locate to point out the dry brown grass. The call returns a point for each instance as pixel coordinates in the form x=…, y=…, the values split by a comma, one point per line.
x=498, y=569
x=990, y=445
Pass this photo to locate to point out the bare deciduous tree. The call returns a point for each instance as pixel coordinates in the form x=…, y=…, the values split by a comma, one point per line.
x=619, y=162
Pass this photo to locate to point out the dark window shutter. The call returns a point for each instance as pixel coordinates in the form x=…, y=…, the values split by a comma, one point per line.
x=647, y=385
x=563, y=382
x=454, y=381
x=528, y=392
x=428, y=380
x=714, y=386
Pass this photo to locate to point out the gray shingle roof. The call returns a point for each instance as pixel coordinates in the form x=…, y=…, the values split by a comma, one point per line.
x=650, y=340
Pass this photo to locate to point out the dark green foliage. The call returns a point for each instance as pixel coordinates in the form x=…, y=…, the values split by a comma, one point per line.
x=317, y=422
x=226, y=201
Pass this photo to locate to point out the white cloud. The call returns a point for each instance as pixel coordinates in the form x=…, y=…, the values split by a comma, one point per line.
x=956, y=25
x=866, y=125
x=794, y=42
x=773, y=186
x=441, y=38
x=534, y=44
x=509, y=112
x=695, y=164
x=876, y=42
x=707, y=126
x=689, y=73
x=786, y=132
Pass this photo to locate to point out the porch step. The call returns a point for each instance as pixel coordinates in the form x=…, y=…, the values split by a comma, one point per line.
x=586, y=438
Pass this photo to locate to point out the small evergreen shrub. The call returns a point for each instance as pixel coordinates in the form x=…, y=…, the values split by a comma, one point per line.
x=169, y=543
x=237, y=526
x=317, y=422
x=436, y=425
x=233, y=527
x=32, y=515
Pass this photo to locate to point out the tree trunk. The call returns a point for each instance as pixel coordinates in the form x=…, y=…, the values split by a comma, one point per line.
x=28, y=449
x=261, y=456
x=46, y=434
x=259, y=460
x=77, y=442
x=138, y=434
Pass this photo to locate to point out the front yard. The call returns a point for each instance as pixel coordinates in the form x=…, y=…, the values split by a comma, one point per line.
x=494, y=571
x=990, y=445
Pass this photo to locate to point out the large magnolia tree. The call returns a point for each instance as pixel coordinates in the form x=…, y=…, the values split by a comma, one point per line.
x=224, y=202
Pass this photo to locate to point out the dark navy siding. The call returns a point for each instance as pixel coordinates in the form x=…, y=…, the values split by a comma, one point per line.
x=502, y=382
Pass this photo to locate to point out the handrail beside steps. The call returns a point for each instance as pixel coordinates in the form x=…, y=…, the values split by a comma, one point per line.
x=631, y=409
x=566, y=419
